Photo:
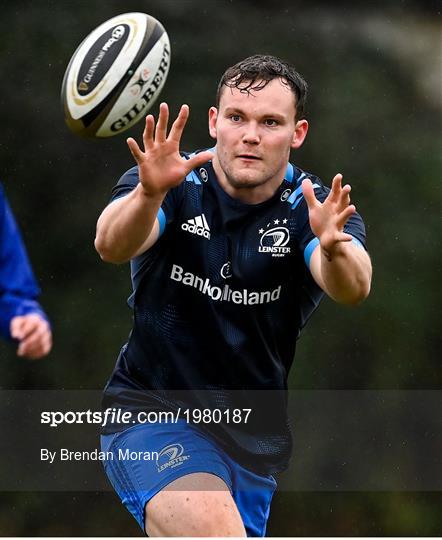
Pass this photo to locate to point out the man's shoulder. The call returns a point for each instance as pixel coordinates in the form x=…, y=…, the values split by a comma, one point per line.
x=293, y=194
x=131, y=176
x=300, y=174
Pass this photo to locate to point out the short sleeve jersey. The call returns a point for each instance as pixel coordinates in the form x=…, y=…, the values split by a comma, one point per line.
x=219, y=302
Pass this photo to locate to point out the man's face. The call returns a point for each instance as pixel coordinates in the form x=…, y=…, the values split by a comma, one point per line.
x=254, y=133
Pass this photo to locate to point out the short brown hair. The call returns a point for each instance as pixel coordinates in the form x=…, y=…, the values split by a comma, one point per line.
x=255, y=72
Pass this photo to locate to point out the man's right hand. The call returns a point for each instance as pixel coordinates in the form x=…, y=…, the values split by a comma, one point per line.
x=129, y=226
x=161, y=166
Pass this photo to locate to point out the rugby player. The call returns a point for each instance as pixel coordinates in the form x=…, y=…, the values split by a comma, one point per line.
x=21, y=316
x=231, y=251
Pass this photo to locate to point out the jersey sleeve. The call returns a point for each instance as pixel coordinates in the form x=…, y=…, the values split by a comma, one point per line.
x=166, y=213
x=18, y=288
x=308, y=241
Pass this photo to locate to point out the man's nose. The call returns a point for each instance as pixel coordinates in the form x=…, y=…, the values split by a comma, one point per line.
x=251, y=133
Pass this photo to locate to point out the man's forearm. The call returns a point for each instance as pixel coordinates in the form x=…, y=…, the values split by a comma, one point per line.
x=125, y=225
x=344, y=273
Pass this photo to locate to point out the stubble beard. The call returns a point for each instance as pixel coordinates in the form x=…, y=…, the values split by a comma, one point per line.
x=238, y=183
x=246, y=180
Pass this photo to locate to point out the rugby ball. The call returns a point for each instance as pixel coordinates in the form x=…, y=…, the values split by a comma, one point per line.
x=115, y=75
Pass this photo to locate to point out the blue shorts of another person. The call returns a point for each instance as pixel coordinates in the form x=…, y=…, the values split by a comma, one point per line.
x=182, y=449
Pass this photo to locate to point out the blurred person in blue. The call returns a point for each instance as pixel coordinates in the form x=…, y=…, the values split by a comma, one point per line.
x=21, y=317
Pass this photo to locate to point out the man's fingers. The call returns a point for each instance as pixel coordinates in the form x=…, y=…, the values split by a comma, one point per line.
x=309, y=194
x=15, y=327
x=336, y=188
x=344, y=237
x=26, y=325
x=135, y=150
x=36, y=346
x=344, y=199
x=34, y=334
x=149, y=128
x=344, y=216
x=163, y=119
x=34, y=342
x=177, y=128
x=197, y=160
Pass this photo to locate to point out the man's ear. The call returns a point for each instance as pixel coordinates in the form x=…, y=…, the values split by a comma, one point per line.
x=213, y=115
x=300, y=133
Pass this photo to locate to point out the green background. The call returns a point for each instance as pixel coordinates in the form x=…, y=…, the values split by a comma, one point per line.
x=374, y=109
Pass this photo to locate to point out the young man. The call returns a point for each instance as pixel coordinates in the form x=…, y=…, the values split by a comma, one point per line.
x=21, y=317
x=231, y=250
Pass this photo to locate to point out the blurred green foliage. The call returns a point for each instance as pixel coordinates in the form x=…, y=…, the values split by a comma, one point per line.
x=374, y=110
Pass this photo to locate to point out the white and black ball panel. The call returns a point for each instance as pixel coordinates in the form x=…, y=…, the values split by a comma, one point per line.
x=142, y=89
x=87, y=80
x=115, y=75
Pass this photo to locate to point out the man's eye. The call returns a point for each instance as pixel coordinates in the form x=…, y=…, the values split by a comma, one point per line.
x=235, y=117
x=270, y=122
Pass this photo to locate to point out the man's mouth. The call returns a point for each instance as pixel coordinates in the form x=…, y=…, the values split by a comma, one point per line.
x=248, y=156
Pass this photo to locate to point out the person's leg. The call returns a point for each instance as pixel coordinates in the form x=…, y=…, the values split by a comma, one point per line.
x=252, y=493
x=197, y=504
x=188, y=482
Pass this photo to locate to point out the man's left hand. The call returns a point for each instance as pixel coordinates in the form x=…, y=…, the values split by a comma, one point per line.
x=327, y=219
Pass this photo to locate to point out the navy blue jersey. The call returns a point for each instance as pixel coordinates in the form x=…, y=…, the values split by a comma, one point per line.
x=18, y=288
x=219, y=302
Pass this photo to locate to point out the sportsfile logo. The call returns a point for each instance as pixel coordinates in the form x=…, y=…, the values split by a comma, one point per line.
x=197, y=225
x=171, y=456
x=224, y=293
x=275, y=239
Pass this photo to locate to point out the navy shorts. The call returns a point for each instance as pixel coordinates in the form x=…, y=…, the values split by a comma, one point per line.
x=147, y=457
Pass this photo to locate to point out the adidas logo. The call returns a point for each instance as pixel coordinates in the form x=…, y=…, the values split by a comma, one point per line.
x=197, y=225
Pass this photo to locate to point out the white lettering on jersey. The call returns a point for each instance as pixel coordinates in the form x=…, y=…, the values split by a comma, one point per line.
x=197, y=225
x=225, y=293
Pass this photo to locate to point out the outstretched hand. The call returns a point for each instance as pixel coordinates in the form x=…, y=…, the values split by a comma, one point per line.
x=327, y=219
x=160, y=165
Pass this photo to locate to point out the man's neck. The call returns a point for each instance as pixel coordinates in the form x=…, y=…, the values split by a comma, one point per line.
x=247, y=195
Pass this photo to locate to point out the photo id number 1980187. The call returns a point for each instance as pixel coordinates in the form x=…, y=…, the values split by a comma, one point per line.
x=216, y=416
